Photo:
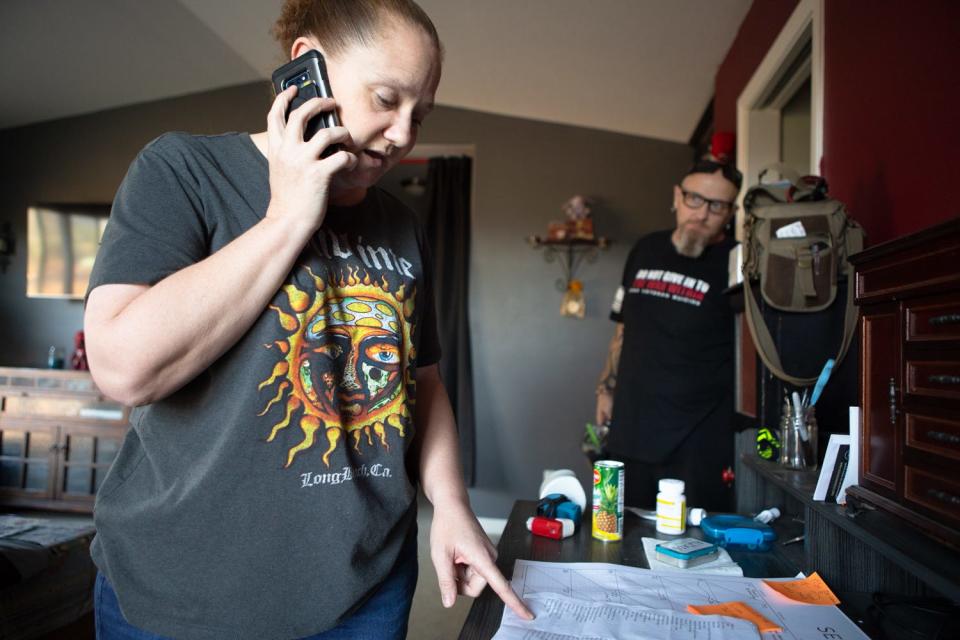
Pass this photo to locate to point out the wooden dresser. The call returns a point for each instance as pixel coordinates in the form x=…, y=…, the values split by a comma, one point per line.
x=58, y=436
x=908, y=291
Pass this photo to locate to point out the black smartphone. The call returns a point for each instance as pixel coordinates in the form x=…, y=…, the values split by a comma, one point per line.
x=309, y=73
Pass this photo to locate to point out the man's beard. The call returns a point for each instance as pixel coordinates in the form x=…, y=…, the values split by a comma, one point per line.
x=689, y=243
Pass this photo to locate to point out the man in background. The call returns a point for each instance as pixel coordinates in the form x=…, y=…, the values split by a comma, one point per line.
x=667, y=386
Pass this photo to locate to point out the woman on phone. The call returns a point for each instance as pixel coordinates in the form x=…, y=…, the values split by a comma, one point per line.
x=270, y=315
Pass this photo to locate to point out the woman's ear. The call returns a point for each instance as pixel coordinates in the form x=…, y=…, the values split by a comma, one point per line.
x=303, y=44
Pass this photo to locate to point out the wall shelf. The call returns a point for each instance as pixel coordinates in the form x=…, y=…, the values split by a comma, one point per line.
x=570, y=253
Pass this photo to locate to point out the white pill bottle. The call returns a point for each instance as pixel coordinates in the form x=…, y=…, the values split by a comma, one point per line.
x=671, y=507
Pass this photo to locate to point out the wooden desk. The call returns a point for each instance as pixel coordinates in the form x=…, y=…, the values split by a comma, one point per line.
x=855, y=551
x=47, y=578
x=518, y=543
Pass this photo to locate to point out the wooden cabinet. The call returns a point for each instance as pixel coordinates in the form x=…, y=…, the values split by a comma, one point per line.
x=58, y=437
x=909, y=295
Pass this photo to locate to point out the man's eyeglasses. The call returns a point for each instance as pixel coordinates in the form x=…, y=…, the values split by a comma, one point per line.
x=694, y=200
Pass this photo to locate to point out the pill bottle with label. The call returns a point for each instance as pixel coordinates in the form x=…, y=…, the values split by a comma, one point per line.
x=671, y=507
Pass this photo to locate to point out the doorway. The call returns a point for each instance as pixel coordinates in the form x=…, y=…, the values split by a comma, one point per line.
x=780, y=111
x=408, y=180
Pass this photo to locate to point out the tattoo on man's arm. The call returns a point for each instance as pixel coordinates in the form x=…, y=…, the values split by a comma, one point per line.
x=608, y=378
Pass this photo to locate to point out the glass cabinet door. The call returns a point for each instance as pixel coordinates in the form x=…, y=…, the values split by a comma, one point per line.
x=58, y=438
x=87, y=457
x=26, y=460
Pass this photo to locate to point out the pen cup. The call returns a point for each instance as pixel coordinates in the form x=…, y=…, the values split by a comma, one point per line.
x=798, y=438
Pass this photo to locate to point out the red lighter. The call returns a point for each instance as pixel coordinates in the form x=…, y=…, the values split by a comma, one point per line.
x=550, y=527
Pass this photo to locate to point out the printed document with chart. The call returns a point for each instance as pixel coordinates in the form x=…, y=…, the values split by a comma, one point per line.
x=607, y=601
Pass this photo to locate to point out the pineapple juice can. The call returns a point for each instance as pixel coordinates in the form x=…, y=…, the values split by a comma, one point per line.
x=608, y=500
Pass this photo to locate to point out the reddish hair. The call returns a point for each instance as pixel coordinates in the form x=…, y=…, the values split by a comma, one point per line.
x=337, y=24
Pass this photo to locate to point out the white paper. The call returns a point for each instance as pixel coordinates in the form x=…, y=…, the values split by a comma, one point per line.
x=562, y=617
x=792, y=230
x=608, y=601
x=735, y=265
x=722, y=565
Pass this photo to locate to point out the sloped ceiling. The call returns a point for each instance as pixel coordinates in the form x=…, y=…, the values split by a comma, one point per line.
x=642, y=67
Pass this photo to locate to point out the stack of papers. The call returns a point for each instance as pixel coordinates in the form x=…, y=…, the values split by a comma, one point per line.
x=47, y=532
x=14, y=526
x=607, y=601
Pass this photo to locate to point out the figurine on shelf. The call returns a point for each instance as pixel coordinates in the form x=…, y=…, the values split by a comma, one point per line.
x=579, y=220
x=556, y=231
x=79, y=358
x=573, y=303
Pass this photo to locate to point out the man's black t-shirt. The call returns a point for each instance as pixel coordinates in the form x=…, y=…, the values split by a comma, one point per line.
x=676, y=365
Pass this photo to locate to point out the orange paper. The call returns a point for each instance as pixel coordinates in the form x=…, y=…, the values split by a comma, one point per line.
x=809, y=590
x=735, y=610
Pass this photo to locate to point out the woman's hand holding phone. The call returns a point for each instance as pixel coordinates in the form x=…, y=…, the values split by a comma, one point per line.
x=300, y=179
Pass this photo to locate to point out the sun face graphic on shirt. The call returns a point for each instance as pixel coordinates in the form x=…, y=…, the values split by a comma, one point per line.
x=344, y=371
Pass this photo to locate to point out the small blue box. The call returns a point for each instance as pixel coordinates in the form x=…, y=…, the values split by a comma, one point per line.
x=686, y=552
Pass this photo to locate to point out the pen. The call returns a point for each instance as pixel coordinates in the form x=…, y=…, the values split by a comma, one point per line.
x=822, y=381
x=799, y=417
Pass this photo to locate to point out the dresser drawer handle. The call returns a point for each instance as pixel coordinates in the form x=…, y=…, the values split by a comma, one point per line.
x=943, y=496
x=944, y=379
x=942, y=436
x=892, y=396
x=947, y=318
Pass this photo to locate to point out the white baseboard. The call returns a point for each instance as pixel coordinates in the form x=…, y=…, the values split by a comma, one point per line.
x=493, y=527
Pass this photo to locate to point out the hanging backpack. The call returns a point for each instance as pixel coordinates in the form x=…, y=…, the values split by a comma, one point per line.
x=796, y=243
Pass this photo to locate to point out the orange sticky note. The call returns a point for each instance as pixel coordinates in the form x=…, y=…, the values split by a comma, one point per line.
x=735, y=610
x=809, y=590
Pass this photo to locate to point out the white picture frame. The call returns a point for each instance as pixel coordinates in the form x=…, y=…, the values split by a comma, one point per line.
x=853, y=469
x=829, y=463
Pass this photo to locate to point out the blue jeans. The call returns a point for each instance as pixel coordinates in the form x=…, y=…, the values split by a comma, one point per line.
x=382, y=617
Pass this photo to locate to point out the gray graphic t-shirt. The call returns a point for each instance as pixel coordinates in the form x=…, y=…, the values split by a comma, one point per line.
x=271, y=494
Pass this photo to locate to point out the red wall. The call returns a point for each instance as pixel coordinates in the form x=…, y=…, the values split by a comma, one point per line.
x=891, y=105
x=892, y=112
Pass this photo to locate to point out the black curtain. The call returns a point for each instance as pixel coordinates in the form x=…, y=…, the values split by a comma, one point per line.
x=448, y=231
